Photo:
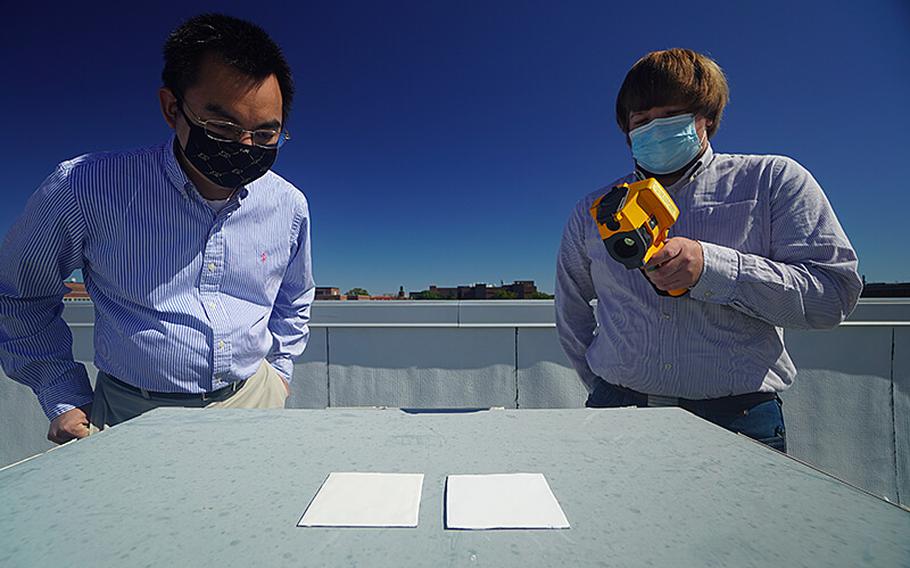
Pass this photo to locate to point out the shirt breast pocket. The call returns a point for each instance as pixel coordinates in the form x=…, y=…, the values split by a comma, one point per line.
x=739, y=226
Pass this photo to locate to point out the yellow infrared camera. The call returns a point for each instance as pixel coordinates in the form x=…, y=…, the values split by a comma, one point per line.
x=634, y=222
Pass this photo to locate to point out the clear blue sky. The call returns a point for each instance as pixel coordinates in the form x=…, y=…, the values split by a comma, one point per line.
x=446, y=141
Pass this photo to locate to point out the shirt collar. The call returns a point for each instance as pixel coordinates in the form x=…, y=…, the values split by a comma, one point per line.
x=178, y=177
x=175, y=173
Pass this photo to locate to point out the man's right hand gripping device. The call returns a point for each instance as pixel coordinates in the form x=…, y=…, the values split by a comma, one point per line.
x=634, y=221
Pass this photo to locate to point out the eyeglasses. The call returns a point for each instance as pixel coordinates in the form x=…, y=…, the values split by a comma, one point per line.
x=225, y=131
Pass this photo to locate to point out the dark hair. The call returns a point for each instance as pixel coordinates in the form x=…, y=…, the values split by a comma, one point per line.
x=240, y=44
x=671, y=77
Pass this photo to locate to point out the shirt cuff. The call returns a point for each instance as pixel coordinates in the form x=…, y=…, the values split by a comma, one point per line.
x=719, y=274
x=284, y=366
x=66, y=393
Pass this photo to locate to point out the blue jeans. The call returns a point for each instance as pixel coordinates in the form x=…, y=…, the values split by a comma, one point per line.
x=763, y=421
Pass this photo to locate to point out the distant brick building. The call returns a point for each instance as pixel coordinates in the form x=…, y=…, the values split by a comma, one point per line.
x=883, y=290
x=523, y=289
x=326, y=293
x=475, y=292
x=77, y=292
x=329, y=293
x=520, y=290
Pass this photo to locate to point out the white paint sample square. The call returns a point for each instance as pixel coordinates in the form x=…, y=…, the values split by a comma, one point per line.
x=502, y=501
x=366, y=500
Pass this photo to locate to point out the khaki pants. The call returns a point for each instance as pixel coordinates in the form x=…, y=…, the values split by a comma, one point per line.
x=114, y=404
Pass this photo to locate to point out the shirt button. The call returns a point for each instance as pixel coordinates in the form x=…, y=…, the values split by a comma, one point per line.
x=708, y=294
x=666, y=316
x=211, y=267
x=220, y=344
x=212, y=305
x=668, y=366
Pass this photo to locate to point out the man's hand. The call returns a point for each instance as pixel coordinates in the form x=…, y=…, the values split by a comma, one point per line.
x=69, y=425
x=677, y=266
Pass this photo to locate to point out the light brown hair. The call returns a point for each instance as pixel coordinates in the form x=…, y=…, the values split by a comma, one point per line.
x=674, y=77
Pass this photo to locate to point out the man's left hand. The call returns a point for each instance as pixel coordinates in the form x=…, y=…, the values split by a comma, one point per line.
x=677, y=266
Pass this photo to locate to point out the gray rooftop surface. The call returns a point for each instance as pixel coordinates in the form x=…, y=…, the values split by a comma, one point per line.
x=640, y=487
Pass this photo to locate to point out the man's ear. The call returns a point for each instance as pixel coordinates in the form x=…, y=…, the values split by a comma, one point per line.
x=168, y=106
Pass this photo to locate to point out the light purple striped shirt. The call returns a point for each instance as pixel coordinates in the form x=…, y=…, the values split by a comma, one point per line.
x=775, y=257
x=186, y=299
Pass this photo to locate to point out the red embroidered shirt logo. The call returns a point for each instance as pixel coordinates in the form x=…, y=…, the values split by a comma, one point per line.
x=264, y=256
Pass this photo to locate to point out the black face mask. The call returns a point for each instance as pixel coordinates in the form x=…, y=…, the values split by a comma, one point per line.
x=226, y=164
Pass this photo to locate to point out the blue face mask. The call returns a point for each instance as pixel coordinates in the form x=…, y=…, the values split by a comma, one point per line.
x=665, y=145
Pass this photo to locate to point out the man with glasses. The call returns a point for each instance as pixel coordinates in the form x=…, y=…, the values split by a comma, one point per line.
x=757, y=246
x=196, y=255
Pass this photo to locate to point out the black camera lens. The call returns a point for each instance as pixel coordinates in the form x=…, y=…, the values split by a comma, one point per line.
x=626, y=247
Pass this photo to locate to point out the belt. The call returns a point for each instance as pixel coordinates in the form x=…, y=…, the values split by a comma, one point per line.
x=726, y=404
x=214, y=396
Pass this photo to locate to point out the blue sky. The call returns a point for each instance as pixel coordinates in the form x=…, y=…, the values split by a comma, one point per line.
x=446, y=142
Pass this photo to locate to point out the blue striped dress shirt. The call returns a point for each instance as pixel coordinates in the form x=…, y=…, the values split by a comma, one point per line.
x=775, y=257
x=187, y=299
